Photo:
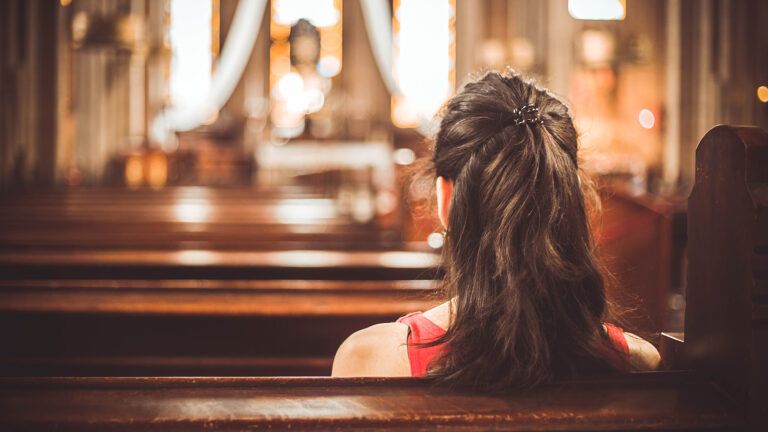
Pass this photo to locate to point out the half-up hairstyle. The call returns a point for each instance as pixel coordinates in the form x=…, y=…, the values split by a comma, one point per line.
x=518, y=257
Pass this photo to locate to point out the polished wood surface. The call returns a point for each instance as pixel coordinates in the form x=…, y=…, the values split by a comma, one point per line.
x=257, y=298
x=191, y=327
x=195, y=281
x=218, y=264
x=235, y=218
x=676, y=401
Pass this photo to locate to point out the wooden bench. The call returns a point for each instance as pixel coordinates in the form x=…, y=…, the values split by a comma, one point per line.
x=215, y=264
x=191, y=327
x=184, y=217
x=661, y=401
x=100, y=282
x=724, y=348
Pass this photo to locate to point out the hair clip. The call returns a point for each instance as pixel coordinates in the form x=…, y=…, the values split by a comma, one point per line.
x=528, y=114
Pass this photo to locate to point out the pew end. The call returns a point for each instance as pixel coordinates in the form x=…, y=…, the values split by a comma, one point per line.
x=671, y=350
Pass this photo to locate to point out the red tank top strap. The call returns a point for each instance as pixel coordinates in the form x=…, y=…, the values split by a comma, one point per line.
x=617, y=358
x=422, y=330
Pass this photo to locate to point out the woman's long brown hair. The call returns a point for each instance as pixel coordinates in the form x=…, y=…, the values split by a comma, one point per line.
x=518, y=258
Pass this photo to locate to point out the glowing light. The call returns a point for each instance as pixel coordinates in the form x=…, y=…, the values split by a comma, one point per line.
x=290, y=86
x=314, y=100
x=321, y=13
x=386, y=202
x=403, y=156
x=598, y=9
x=409, y=259
x=157, y=170
x=197, y=257
x=328, y=66
x=435, y=240
x=424, y=60
x=305, y=210
x=762, y=94
x=134, y=171
x=190, y=36
x=646, y=118
x=598, y=47
x=193, y=212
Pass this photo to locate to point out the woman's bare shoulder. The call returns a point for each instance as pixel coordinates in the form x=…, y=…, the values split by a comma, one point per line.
x=643, y=355
x=377, y=351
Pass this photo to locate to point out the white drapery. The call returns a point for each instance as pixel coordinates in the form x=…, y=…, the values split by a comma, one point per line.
x=237, y=50
x=229, y=69
x=378, y=24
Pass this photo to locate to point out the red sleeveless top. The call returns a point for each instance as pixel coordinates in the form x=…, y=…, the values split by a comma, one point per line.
x=422, y=330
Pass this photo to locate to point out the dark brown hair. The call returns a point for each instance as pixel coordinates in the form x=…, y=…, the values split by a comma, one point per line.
x=518, y=257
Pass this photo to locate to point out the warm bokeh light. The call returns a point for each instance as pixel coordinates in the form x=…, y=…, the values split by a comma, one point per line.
x=424, y=58
x=762, y=94
x=598, y=9
x=134, y=171
x=157, y=169
x=190, y=38
x=305, y=210
x=435, y=240
x=646, y=118
x=403, y=156
x=197, y=211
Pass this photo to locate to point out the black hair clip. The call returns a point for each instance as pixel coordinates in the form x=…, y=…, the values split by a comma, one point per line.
x=528, y=114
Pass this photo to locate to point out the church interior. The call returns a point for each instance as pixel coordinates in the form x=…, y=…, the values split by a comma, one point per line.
x=201, y=199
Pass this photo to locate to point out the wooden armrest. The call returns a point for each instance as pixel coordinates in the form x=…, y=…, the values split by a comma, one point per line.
x=671, y=350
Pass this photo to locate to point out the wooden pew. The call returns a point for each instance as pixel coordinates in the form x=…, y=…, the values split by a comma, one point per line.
x=183, y=217
x=214, y=264
x=191, y=327
x=724, y=350
x=250, y=308
x=726, y=321
x=661, y=401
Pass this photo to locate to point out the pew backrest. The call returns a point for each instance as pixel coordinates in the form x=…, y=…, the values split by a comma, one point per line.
x=726, y=323
x=678, y=401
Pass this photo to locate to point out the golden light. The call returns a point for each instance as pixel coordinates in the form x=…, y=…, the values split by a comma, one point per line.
x=157, y=169
x=762, y=94
x=424, y=58
x=603, y=10
x=134, y=171
x=646, y=118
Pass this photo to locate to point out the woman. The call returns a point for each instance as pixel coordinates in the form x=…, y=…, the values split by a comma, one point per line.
x=527, y=297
